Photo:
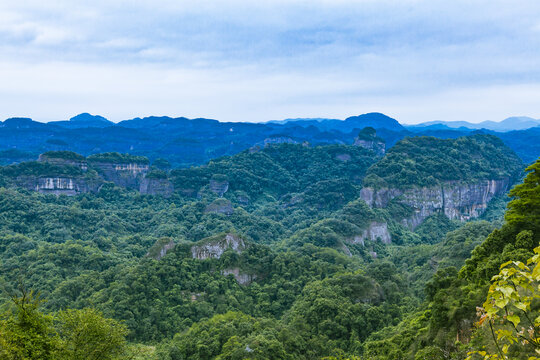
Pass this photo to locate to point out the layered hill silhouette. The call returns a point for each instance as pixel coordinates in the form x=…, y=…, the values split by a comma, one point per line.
x=186, y=142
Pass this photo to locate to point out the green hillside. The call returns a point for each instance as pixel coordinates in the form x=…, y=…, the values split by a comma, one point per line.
x=428, y=161
x=268, y=254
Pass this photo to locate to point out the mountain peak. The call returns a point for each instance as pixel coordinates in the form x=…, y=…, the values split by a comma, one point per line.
x=89, y=118
x=375, y=120
x=84, y=120
x=21, y=123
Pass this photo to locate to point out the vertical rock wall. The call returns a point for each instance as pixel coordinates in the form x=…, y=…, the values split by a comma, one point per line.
x=458, y=201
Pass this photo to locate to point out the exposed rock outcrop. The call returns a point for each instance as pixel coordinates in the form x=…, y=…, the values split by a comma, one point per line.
x=241, y=277
x=63, y=158
x=219, y=187
x=156, y=187
x=278, y=140
x=220, y=206
x=215, y=247
x=343, y=157
x=242, y=198
x=58, y=185
x=367, y=138
x=127, y=175
x=378, y=147
x=376, y=231
x=160, y=248
x=458, y=201
x=69, y=173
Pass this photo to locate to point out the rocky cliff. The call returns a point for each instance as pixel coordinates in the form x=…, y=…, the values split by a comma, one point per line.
x=378, y=147
x=376, y=231
x=368, y=139
x=278, y=140
x=153, y=186
x=219, y=186
x=215, y=247
x=127, y=175
x=62, y=158
x=220, y=206
x=58, y=185
x=160, y=248
x=241, y=277
x=457, y=200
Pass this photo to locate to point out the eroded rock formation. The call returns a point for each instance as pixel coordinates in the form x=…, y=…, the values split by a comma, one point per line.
x=241, y=277
x=219, y=187
x=376, y=231
x=214, y=248
x=152, y=186
x=458, y=201
x=58, y=185
x=220, y=206
x=127, y=175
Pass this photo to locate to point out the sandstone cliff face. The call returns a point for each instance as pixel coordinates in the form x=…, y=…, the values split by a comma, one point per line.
x=160, y=248
x=216, y=248
x=58, y=185
x=66, y=177
x=277, y=140
x=242, y=198
x=376, y=231
x=220, y=206
x=219, y=187
x=81, y=164
x=378, y=147
x=125, y=175
x=458, y=201
x=156, y=187
x=241, y=277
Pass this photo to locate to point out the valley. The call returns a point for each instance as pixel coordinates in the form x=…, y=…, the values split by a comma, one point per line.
x=294, y=251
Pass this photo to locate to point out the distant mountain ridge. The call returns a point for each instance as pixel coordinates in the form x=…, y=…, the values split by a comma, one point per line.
x=84, y=120
x=374, y=119
x=186, y=142
x=508, y=124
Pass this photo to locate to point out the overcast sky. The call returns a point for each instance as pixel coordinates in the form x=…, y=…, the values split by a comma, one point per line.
x=261, y=60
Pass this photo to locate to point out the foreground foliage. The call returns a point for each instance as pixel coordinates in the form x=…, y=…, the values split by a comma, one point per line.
x=27, y=333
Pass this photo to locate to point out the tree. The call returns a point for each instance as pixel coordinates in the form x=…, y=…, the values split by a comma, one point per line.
x=26, y=333
x=86, y=334
x=510, y=311
x=524, y=210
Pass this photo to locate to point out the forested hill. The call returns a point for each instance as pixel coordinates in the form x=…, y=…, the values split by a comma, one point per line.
x=185, y=142
x=276, y=252
x=429, y=161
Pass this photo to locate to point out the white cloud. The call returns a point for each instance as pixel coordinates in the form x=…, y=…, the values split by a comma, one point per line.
x=243, y=60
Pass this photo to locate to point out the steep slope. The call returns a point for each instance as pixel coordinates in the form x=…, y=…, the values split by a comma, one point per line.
x=455, y=177
x=444, y=326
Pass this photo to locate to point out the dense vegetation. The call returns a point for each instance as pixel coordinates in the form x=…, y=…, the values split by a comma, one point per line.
x=454, y=297
x=117, y=158
x=262, y=255
x=430, y=161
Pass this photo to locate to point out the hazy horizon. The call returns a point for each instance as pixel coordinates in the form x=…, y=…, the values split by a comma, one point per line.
x=116, y=121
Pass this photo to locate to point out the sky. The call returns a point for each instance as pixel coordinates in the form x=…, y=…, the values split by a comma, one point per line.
x=264, y=60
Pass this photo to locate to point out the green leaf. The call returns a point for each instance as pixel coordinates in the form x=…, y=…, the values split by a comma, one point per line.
x=521, y=306
x=501, y=303
x=514, y=319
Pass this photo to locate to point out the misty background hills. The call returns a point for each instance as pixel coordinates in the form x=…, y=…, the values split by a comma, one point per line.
x=186, y=142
